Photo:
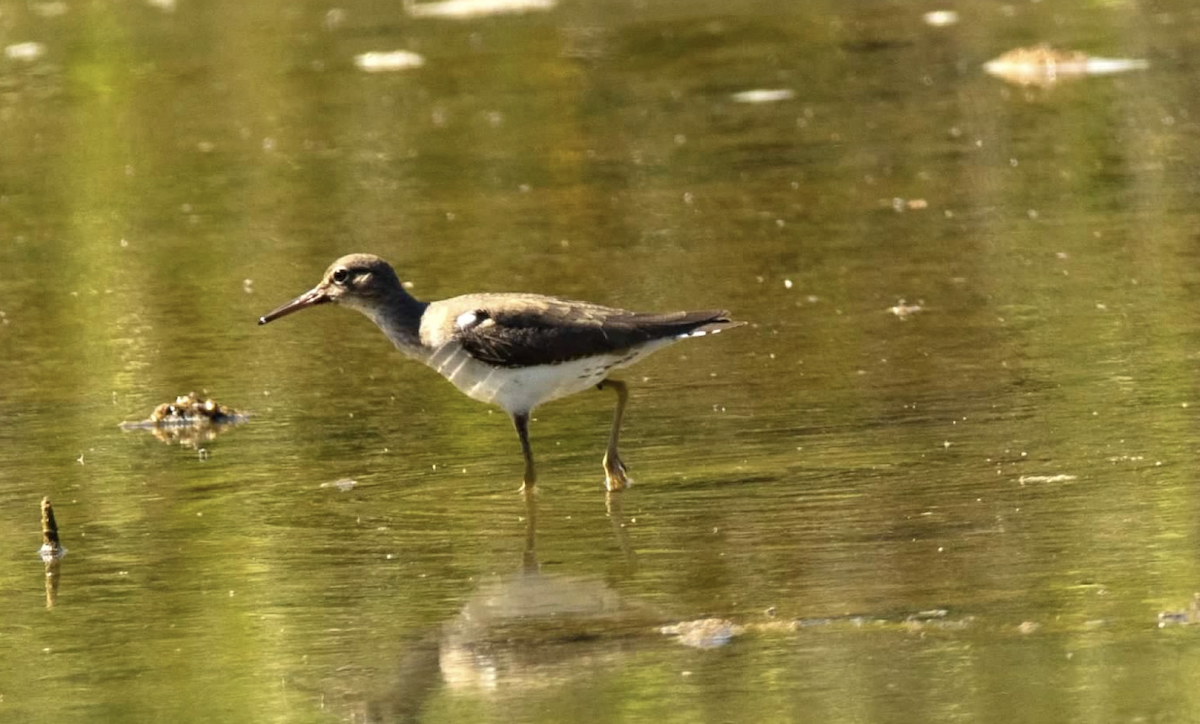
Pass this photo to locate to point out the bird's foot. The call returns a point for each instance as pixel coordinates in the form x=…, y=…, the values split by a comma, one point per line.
x=529, y=482
x=615, y=475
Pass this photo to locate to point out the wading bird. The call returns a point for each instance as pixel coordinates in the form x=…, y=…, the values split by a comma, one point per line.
x=516, y=351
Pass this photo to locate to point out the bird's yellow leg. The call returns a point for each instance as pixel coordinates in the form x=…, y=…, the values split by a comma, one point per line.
x=521, y=422
x=615, y=475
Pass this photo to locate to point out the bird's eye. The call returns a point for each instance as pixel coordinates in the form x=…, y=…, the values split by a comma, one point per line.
x=340, y=275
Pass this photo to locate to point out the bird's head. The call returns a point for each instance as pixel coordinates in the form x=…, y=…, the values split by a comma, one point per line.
x=358, y=281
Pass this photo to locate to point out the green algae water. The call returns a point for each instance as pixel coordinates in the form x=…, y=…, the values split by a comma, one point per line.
x=945, y=474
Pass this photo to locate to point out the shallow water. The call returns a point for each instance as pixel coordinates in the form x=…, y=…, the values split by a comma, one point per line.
x=946, y=474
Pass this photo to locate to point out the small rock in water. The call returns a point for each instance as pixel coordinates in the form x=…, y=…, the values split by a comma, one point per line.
x=27, y=52
x=764, y=95
x=380, y=62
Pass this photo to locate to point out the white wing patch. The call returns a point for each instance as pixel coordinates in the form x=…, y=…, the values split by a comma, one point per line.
x=465, y=320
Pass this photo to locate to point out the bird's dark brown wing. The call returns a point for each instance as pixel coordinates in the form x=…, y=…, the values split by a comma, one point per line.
x=530, y=331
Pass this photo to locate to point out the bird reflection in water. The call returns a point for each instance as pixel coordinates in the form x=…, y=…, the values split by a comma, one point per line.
x=521, y=632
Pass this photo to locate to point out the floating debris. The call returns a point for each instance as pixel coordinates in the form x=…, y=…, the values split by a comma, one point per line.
x=27, y=52
x=900, y=205
x=903, y=311
x=710, y=633
x=192, y=409
x=940, y=18
x=382, y=62
x=936, y=618
x=705, y=633
x=1044, y=66
x=342, y=484
x=190, y=420
x=335, y=18
x=462, y=9
x=49, y=9
x=764, y=95
x=1045, y=479
x=1186, y=617
x=51, y=549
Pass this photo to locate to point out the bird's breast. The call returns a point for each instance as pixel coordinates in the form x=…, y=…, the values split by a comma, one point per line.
x=521, y=389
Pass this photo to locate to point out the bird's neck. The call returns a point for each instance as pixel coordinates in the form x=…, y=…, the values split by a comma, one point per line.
x=399, y=317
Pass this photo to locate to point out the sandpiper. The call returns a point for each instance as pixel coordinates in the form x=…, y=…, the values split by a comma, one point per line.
x=516, y=351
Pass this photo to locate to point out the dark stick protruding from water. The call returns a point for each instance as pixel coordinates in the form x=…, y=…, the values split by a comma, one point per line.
x=52, y=552
x=50, y=545
x=49, y=526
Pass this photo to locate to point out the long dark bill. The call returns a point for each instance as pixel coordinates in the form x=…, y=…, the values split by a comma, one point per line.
x=312, y=297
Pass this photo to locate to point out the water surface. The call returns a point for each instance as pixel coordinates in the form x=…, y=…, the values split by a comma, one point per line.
x=945, y=474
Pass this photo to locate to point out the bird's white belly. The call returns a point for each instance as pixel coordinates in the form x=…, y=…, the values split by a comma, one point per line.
x=521, y=389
